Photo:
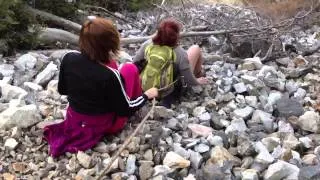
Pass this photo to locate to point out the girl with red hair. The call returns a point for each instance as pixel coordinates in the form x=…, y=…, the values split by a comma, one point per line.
x=101, y=96
x=188, y=64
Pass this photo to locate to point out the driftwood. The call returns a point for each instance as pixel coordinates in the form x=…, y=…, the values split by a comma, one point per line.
x=53, y=35
x=69, y=25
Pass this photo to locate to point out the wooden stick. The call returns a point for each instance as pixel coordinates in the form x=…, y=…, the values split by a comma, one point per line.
x=126, y=142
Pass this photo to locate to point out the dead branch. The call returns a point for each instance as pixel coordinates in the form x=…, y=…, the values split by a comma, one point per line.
x=111, y=14
x=69, y=25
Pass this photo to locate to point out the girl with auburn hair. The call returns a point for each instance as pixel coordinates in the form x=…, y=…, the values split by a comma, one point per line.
x=188, y=64
x=101, y=97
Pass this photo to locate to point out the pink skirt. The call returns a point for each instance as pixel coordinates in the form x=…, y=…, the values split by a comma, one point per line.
x=79, y=132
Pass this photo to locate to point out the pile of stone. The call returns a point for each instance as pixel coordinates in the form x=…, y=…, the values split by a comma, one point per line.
x=253, y=121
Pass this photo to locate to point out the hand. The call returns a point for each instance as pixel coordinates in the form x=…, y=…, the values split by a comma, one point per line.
x=152, y=93
x=202, y=80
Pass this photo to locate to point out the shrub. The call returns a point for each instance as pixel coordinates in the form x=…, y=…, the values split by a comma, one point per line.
x=15, y=27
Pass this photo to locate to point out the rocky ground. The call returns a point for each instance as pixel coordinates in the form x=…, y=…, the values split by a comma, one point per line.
x=253, y=121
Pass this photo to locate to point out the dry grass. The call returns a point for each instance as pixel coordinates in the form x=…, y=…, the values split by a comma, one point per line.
x=278, y=9
x=275, y=9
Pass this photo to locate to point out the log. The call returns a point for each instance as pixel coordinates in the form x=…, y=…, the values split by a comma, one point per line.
x=53, y=35
x=67, y=24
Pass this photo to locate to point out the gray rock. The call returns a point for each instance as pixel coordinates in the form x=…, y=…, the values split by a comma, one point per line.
x=7, y=70
x=215, y=140
x=163, y=112
x=12, y=92
x=240, y=87
x=291, y=87
x=84, y=159
x=145, y=170
x=250, y=174
x=46, y=75
x=32, y=86
x=201, y=148
x=252, y=101
x=11, y=143
x=181, y=151
x=286, y=107
x=300, y=94
x=26, y=62
x=195, y=158
x=264, y=156
x=265, y=118
x=237, y=125
x=306, y=142
x=148, y=155
x=22, y=117
x=161, y=170
x=131, y=164
x=244, y=113
x=310, y=172
x=174, y=124
x=310, y=121
x=281, y=170
x=205, y=117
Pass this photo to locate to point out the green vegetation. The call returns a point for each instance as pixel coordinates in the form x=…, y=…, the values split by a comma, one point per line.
x=15, y=27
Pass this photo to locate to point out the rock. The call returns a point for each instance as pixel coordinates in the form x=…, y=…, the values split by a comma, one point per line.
x=196, y=159
x=243, y=113
x=198, y=111
x=205, y=117
x=32, y=86
x=286, y=107
x=271, y=143
x=215, y=140
x=309, y=172
x=12, y=92
x=133, y=146
x=21, y=117
x=174, y=161
x=310, y=159
x=101, y=147
x=252, y=101
x=84, y=159
x=174, y=124
x=145, y=170
x=26, y=62
x=20, y=167
x=291, y=87
x=148, y=155
x=119, y=176
x=190, y=177
x=200, y=130
x=250, y=174
x=11, y=143
x=220, y=155
x=131, y=164
x=7, y=70
x=114, y=166
x=161, y=169
x=163, y=112
x=237, y=125
x=300, y=94
x=265, y=118
x=212, y=171
x=290, y=142
x=181, y=151
x=264, y=156
x=310, y=121
x=46, y=75
x=201, y=148
x=281, y=170
x=224, y=97
x=240, y=87
x=8, y=176
x=306, y=142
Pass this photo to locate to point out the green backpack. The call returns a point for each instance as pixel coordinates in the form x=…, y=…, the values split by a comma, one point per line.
x=159, y=69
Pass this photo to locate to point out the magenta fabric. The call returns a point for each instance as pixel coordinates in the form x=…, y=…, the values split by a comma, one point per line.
x=79, y=132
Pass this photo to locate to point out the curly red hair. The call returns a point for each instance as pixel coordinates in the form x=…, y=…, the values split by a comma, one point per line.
x=168, y=33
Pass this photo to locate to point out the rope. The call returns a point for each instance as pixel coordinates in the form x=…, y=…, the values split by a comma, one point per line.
x=127, y=141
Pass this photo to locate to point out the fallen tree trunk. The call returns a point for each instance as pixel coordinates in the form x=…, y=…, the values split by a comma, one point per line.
x=53, y=35
x=69, y=25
